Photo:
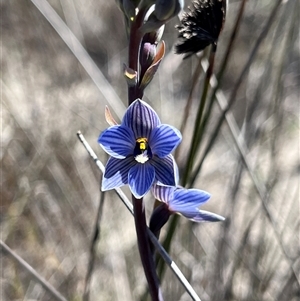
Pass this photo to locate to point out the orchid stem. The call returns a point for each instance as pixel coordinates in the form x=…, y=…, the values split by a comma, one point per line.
x=135, y=39
x=134, y=92
x=144, y=249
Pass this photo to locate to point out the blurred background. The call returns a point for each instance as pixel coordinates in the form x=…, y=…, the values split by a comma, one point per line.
x=50, y=187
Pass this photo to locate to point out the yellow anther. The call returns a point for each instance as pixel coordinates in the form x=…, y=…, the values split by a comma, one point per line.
x=141, y=151
x=141, y=140
x=142, y=143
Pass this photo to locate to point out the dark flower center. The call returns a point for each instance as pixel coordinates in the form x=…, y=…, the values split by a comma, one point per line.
x=142, y=151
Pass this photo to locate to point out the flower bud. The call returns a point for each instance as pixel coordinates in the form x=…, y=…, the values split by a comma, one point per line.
x=148, y=74
x=147, y=54
x=167, y=9
x=155, y=36
x=159, y=218
x=164, y=10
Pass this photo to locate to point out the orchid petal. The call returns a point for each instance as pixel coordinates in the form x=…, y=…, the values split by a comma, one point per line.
x=204, y=216
x=187, y=201
x=164, y=139
x=141, y=118
x=118, y=141
x=116, y=172
x=166, y=171
x=140, y=179
x=163, y=193
x=195, y=197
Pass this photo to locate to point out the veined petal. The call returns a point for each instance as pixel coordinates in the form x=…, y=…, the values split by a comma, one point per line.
x=122, y=166
x=164, y=139
x=187, y=201
x=193, y=197
x=166, y=170
x=163, y=193
x=116, y=172
x=186, y=210
x=118, y=141
x=140, y=179
x=141, y=118
x=204, y=216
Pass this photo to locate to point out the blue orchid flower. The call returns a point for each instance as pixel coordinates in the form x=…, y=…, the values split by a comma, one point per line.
x=140, y=149
x=184, y=202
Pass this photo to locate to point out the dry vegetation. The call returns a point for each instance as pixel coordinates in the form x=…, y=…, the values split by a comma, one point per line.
x=50, y=187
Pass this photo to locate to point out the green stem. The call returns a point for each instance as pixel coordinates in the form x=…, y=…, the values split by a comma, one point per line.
x=221, y=72
x=197, y=129
x=188, y=105
x=236, y=87
x=174, y=221
x=196, y=137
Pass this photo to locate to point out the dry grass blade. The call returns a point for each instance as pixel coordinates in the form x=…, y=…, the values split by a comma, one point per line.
x=96, y=237
x=239, y=141
x=81, y=54
x=45, y=284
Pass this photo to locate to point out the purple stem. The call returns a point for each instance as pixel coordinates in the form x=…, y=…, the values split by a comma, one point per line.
x=135, y=92
x=144, y=249
x=135, y=40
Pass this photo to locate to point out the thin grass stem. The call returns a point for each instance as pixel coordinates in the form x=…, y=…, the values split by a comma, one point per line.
x=82, y=56
x=197, y=129
x=42, y=281
x=188, y=104
x=259, y=186
x=216, y=82
x=96, y=237
x=236, y=88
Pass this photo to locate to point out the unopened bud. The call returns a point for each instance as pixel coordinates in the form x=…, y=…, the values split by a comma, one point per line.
x=167, y=9
x=158, y=218
x=164, y=10
x=148, y=74
x=147, y=55
x=155, y=36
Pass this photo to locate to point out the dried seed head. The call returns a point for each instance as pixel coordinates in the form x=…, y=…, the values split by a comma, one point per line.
x=200, y=26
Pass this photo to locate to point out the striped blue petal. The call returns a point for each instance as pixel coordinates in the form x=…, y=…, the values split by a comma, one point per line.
x=166, y=170
x=164, y=139
x=140, y=179
x=122, y=166
x=187, y=201
x=163, y=193
x=116, y=172
x=118, y=141
x=193, y=197
x=141, y=118
x=205, y=216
